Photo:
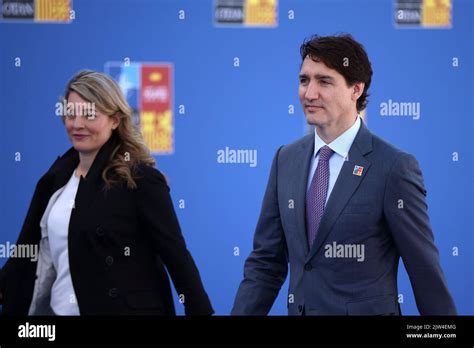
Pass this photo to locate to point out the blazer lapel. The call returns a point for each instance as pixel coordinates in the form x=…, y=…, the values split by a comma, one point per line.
x=62, y=169
x=345, y=186
x=92, y=183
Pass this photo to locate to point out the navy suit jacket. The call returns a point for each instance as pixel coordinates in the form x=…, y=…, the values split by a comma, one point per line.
x=384, y=210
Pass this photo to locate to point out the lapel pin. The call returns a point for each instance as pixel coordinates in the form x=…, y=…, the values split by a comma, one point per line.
x=358, y=170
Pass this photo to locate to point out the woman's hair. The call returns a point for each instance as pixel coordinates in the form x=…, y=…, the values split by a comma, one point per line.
x=130, y=148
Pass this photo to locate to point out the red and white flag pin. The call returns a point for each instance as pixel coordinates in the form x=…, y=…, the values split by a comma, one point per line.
x=358, y=170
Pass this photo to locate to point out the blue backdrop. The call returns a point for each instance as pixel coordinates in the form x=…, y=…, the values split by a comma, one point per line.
x=247, y=107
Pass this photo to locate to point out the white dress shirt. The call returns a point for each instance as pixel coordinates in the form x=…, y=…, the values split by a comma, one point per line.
x=63, y=298
x=341, y=146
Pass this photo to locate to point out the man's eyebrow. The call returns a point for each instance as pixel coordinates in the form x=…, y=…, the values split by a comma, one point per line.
x=318, y=77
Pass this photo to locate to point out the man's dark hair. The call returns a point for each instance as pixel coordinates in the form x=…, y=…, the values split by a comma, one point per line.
x=343, y=54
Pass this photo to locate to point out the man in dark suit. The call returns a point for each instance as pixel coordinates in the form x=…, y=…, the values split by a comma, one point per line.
x=341, y=206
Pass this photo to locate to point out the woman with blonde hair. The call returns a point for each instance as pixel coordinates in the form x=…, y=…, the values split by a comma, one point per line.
x=104, y=222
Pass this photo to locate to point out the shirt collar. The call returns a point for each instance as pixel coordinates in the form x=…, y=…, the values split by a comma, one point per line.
x=342, y=144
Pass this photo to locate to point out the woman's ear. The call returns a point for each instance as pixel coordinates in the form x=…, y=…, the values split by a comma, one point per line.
x=115, y=121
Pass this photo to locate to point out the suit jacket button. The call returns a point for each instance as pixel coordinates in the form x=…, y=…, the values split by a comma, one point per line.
x=113, y=292
x=99, y=231
x=308, y=267
x=109, y=260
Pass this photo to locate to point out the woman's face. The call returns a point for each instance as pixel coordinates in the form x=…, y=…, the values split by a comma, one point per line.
x=88, y=129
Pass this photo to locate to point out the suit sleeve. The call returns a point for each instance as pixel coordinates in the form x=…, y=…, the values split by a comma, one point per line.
x=406, y=213
x=157, y=213
x=266, y=268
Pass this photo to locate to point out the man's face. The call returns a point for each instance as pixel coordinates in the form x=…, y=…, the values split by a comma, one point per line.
x=324, y=95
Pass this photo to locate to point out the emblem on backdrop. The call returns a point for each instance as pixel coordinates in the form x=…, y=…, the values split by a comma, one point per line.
x=36, y=11
x=148, y=88
x=246, y=13
x=423, y=13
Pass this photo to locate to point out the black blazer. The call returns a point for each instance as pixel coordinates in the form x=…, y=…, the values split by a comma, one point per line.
x=108, y=278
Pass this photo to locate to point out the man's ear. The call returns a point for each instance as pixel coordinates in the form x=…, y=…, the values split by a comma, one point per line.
x=357, y=90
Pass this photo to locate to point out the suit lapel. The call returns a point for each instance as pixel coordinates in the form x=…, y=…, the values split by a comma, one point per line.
x=300, y=165
x=345, y=186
